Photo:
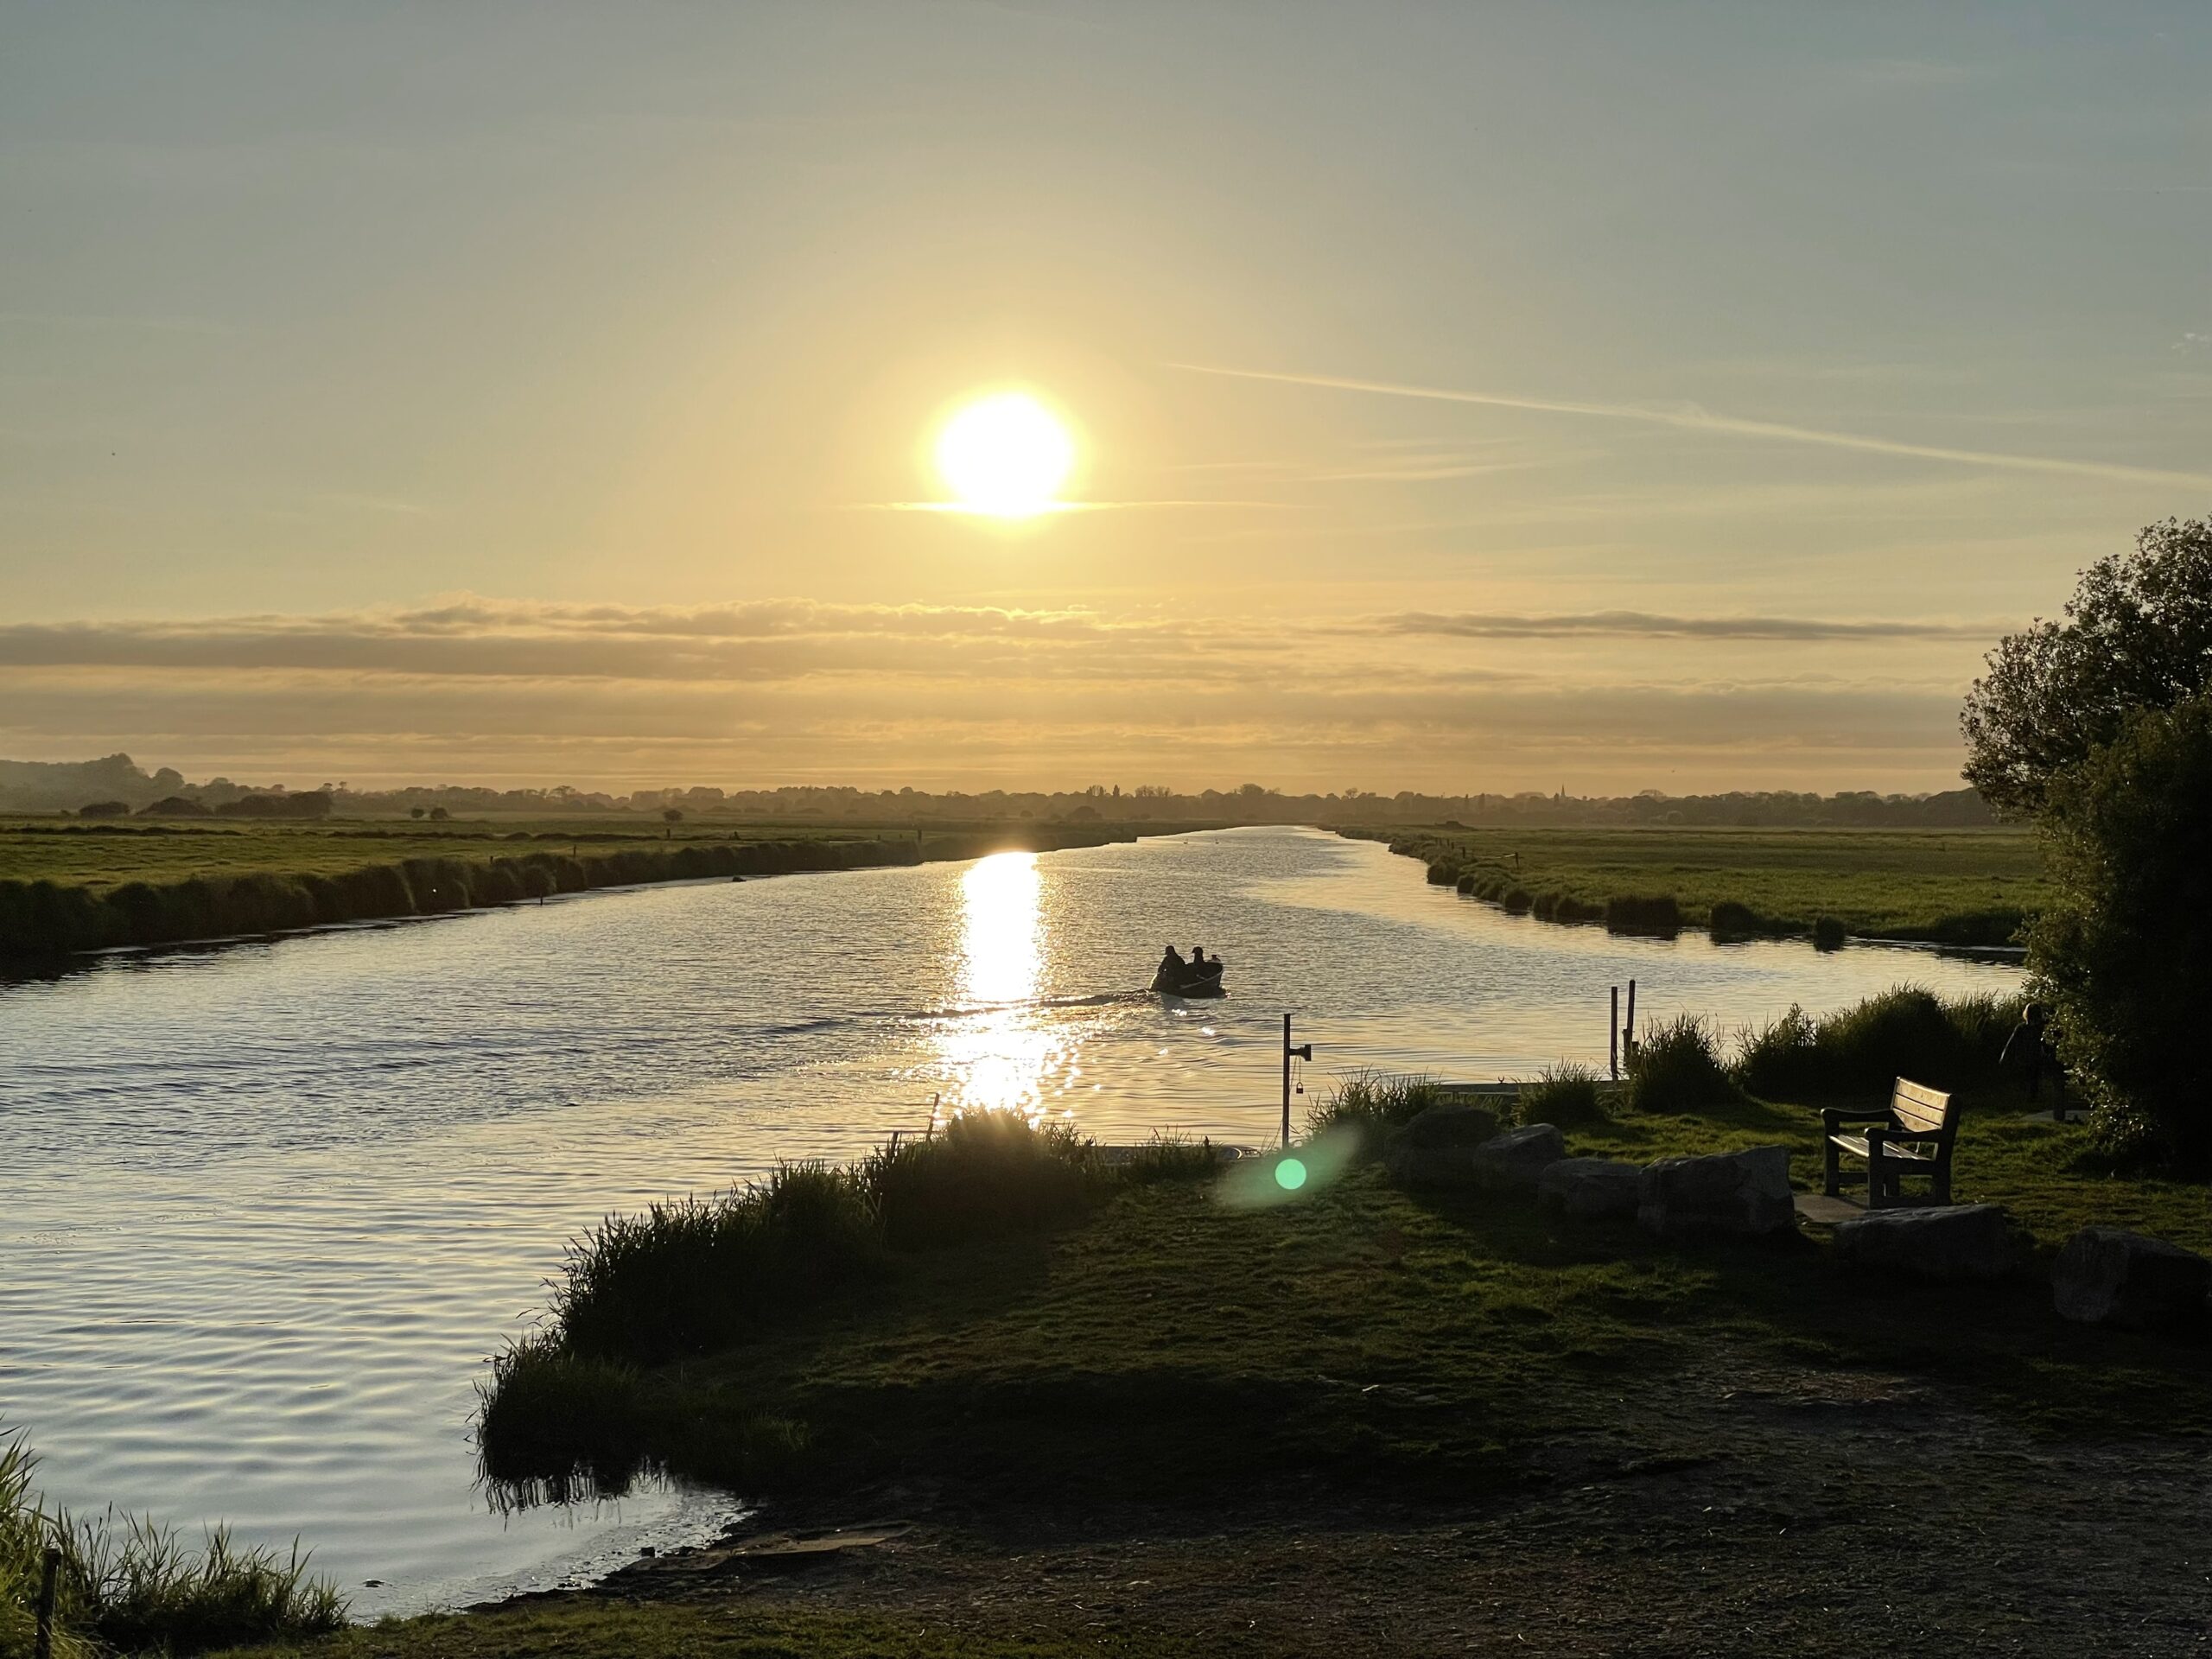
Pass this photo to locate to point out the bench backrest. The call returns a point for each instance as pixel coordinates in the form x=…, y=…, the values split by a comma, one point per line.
x=1919, y=1110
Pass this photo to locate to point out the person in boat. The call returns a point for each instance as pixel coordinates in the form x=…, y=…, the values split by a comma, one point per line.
x=1173, y=967
x=1200, y=968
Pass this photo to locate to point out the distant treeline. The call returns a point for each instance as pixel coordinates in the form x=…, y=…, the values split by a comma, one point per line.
x=49, y=918
x=116, y=784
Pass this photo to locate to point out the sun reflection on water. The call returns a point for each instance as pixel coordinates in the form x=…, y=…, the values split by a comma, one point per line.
x=1001, y=1053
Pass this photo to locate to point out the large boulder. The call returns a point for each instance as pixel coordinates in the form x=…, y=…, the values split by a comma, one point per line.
x=1515, y=1160
x=1950, y=1242
x=1589, y=1188
x=1436, y=1148
x=1743, y=1193
x=2107, y=1275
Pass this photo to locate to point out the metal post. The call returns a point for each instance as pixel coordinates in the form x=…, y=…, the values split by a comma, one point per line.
x=1628, y=1031
x=1613, y=1037
x=43, y=1648
x=1302, y=1051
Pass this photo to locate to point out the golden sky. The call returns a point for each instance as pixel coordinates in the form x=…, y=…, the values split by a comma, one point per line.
x=1473, y=397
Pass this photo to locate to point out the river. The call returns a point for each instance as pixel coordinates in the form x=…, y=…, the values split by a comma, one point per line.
x=265, y=1211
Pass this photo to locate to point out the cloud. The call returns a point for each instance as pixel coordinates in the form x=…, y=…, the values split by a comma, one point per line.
x=1649, y=625
x=1690, y=417
x=787, y=689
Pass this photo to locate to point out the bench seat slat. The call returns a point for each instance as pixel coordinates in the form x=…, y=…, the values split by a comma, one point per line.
x=1856, y=1145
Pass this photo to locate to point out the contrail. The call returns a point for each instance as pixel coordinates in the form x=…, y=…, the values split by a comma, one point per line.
x=1697, y=420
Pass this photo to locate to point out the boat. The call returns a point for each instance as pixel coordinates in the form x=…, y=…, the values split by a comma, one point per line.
x=1194, y=980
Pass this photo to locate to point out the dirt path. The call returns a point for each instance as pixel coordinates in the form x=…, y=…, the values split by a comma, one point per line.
x=1816, y=1513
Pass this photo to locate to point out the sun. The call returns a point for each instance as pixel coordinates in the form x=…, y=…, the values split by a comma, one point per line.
x=1005, y=456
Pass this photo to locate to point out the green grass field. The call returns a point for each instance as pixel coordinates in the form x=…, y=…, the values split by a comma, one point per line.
x=1962, y=887
x=69, y=887
x=102, y=856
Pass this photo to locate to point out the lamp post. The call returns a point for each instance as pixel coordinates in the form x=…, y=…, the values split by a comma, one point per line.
x=1302, y=1051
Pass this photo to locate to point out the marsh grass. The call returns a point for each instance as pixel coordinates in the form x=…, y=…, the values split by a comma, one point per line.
x=1374, y=1103
x=1676, y=1067
x=1907, y=1031
x=1565, y=1094
x=127, y=1585
x=701, y=1273
x=984, y=1175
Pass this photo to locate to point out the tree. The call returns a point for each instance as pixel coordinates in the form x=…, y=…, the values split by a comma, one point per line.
x=415, y=812
x=2137, y=634
x=439, y=815
x=2125, y=953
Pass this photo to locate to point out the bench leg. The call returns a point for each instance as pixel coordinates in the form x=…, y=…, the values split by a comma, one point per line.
x=1834, y=1171
x=1942, y=1193
x=1877, y=1183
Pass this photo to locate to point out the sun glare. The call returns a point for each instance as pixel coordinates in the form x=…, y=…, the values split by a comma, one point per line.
x=1005, y=456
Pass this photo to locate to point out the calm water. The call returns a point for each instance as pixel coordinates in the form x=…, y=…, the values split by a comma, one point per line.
x=264, y=1211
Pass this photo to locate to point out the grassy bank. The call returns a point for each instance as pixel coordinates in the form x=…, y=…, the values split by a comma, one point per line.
x=1952, y=887
x=125, y=1586
x=1206, y=1343
x=66, y=887
x=1174, y=1405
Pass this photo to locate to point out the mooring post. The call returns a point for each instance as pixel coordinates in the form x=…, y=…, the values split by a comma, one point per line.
x=1303, y=1051
x=42, y=1646
x=1613, y=1037
x=1627, y=1031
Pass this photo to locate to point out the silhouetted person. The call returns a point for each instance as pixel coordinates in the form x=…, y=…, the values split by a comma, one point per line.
x=2027, y=1051
x=1173, y=964
x=1198, y=959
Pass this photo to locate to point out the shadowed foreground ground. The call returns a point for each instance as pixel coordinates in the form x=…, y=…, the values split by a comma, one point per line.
x=1372, y=1423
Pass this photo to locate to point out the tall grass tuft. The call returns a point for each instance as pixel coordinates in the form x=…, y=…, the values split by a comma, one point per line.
x=1170, y=1158
x=1565, y=1094
x=127, y=1585
x=1677, y=1067
x=985, y=1174
x=1373, y=1102
x=703, y=1274
x=1906, y=1032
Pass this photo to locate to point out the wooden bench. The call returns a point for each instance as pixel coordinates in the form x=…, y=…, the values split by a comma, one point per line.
x=1912, y=1136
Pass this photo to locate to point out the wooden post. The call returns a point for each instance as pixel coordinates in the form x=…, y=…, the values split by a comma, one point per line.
x=1613, y=1037
x=1627, y=1031
x=43, y=1641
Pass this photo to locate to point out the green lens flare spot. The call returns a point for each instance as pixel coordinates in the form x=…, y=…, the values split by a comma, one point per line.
x=1290, y=1174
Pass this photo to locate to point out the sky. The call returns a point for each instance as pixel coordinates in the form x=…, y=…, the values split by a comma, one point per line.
x=1467, y=397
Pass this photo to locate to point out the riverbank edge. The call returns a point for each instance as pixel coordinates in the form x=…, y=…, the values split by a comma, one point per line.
x=45, y=921
x=1664, y=914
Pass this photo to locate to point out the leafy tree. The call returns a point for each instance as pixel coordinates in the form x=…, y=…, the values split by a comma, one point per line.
x=671, y=815
x=2125, y=953
x=2137, y=634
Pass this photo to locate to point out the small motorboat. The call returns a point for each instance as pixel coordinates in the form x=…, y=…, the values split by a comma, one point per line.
x=1188, y=978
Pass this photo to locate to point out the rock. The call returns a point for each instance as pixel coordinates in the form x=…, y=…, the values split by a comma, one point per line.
x=1953, y=1241
x=1587, y=1188
x=2107, y=1275
x=1514, y=1161
x=1745, y=1192
x=1436, y=1148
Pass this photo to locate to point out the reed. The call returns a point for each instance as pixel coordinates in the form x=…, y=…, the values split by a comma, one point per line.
x=1374, y=1103
x=699, y=1274
x=126, y=1585
x=1906, y=1032
x=1677, y=1067
x=1565, y=1094
x=984, y=1175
